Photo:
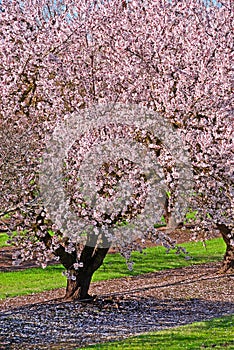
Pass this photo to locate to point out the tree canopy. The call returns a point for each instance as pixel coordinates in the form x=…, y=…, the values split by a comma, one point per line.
x=172, y=58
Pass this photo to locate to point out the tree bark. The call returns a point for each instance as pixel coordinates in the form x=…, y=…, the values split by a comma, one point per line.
x=228, y=260
x=79, y=280
x=92, y=258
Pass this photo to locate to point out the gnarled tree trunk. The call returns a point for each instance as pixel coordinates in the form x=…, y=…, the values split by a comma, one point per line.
x=228, y=260
x=92, y=257
x=79, y=280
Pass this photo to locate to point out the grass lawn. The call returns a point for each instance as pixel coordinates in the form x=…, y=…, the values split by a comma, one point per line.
x=154, y=259
x=213, y=334
x=3, y=240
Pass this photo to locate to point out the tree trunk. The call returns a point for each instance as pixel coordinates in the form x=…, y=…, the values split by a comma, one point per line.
x=77, y=288
x=79, y=280
x=92, y=258
x=228, y=260
x=170, y=220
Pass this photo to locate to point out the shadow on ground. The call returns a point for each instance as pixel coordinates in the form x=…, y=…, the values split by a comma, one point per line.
x=59, y=325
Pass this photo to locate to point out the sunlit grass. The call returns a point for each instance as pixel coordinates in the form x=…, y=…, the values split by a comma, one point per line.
x=154, y=259
x=213, y=334
x=3, y=240
x=31, y=281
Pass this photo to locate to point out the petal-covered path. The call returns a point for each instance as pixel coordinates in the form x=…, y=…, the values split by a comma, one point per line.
x=124, y=307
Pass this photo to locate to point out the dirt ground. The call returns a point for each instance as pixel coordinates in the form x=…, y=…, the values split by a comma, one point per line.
x=123, y=307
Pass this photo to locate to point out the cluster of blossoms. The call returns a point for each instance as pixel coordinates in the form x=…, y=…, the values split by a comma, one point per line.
x=117, y=189
x=115, y=176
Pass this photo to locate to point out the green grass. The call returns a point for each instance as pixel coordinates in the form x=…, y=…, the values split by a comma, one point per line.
x=3, y=240
x=213, y=334
x=31, y=281
x=156, y=259
x=37, y=280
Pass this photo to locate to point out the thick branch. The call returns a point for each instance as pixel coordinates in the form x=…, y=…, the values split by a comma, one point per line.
x=66, y=259
x=98, y=258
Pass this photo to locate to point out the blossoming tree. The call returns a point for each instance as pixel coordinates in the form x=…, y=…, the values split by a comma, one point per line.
x=171, y=57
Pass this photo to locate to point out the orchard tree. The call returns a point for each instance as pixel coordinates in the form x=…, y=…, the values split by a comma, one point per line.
x=173, y=58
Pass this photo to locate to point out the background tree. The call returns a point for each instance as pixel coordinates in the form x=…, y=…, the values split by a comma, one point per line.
x=173, y=57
